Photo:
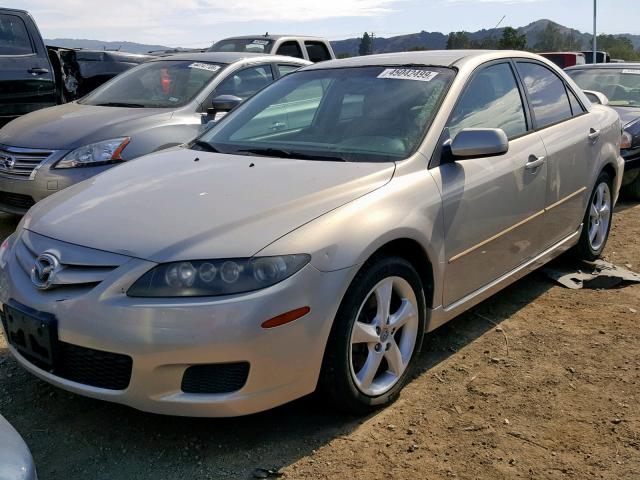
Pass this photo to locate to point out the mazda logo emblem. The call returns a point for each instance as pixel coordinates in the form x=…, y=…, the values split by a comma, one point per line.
x=44, y=271
x=7, y=161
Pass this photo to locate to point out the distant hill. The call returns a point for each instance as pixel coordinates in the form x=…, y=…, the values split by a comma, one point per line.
x=438, y=40
x=130, y=47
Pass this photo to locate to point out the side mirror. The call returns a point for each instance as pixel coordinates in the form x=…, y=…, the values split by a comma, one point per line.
x=596, y=97
x=224, y=103
x=479, y=142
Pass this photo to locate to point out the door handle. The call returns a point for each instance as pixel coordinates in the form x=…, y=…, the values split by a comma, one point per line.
x=594, y=134
x=534, y=162
x=38, y=71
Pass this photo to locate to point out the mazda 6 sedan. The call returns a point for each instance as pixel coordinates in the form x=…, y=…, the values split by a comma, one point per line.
x=273, y=257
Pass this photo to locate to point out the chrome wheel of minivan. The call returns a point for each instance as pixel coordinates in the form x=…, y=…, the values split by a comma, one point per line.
x=383, y=337
x=599, y=216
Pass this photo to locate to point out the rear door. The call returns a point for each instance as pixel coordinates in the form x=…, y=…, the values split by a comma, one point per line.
x=492, y=205
x=26, y=80
x=570, y=135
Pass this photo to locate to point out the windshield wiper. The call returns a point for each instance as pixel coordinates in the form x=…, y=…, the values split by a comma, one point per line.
x=281, y=153
x=205, y=146
x=120, y=104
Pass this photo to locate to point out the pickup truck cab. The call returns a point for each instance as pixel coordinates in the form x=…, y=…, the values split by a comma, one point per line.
x=314, y=49
x=35, y=76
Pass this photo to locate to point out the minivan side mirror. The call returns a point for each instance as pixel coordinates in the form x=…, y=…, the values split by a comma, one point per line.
x=224, y=103
x=596, y=97
x=479, y=142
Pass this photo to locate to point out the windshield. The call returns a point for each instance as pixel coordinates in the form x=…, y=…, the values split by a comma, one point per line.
x=245, y=45
x=371, y=114
x=621, y=86
x=163, y=84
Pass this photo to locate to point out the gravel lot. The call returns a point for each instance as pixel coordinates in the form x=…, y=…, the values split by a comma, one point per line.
x=554, y=392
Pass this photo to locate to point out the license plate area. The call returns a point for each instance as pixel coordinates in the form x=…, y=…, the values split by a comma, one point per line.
x=33, y=334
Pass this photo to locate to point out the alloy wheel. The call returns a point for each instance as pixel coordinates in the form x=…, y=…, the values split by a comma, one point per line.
x=599, y=216
x=383, y=336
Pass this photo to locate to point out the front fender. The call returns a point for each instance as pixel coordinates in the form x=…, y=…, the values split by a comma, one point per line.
x=408, y=207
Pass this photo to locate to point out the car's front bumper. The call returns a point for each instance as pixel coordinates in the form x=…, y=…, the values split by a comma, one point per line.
x=17, y=195
x=166, y=336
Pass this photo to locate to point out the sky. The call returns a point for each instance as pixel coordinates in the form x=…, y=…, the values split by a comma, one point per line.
x=196, y=23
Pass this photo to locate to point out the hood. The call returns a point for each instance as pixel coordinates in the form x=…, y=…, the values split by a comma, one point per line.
x=169, y=206
x=73, y=125
x=627, y=114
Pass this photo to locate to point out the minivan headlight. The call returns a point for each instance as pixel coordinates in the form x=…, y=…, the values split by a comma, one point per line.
x=99, y=153
x=203, y=278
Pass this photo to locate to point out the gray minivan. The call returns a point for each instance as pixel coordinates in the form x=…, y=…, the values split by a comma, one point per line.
x=156, y=105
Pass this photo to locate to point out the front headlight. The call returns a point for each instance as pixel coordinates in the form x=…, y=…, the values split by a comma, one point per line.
x=204, y=278
x=94, y=154
x=626, y=140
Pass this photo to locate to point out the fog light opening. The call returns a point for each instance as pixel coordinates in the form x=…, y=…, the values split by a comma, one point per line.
x=286, y=317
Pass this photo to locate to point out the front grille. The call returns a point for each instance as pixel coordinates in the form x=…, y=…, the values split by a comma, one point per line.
x=21, y=163
x=16, y=200
x=79, y=267
x=93, y=367
x=215, y=377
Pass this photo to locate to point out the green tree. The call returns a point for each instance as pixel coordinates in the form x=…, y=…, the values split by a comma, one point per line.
x=416, y=48
x=366, y=45
x=487, y=43
x=617, y=46
x=511, y=40
x=458, y=40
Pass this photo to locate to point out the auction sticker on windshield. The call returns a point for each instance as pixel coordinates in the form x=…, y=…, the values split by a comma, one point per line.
x=630, y=72
x=408, y=74
x=260, y=42
x=205, y=66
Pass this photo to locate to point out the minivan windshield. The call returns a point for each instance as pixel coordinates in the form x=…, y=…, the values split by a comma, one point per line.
x=368, y=114
x=157, y=84
x=620, y=85
x=244, y=45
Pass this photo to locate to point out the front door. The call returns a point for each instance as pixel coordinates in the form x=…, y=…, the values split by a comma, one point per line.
x=26, y=80
x=493, y=205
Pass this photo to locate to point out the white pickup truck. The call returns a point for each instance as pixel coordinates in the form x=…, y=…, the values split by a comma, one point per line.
x=314, y=49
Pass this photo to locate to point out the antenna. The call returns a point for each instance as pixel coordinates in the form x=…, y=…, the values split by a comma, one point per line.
x=498, y=24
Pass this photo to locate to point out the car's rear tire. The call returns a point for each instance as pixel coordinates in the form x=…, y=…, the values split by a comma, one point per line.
x=631, y=191
x=376, y=337
x=597, y=220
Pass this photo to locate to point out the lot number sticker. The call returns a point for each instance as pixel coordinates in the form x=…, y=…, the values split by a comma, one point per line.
x=408, y=74
x=205, y=66
x=260, y=42
x=631, y=72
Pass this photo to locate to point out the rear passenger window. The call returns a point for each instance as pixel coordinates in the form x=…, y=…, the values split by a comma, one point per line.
x=290, y=49
x=547, y=94
x=318, y=51
x=491, y=100
x=14, y=39
x=576, y=108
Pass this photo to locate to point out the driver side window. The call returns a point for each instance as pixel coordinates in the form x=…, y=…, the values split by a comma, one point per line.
x=491, y=100
x=245, y=83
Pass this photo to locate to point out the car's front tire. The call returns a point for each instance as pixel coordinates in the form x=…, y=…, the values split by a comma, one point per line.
x=376, y=337
x=597, y=220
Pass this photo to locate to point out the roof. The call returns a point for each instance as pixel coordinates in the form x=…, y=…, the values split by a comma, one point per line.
x=434, y=58
x=228, y=57
x=561, y=53
x=271, y=37
x=588, y=66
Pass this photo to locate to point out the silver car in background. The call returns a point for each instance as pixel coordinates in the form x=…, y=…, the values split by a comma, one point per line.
x=156, y=105
x=16, y=462
x=259, y=264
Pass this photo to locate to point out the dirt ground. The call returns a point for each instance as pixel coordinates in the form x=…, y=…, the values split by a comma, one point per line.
x=553, y=392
